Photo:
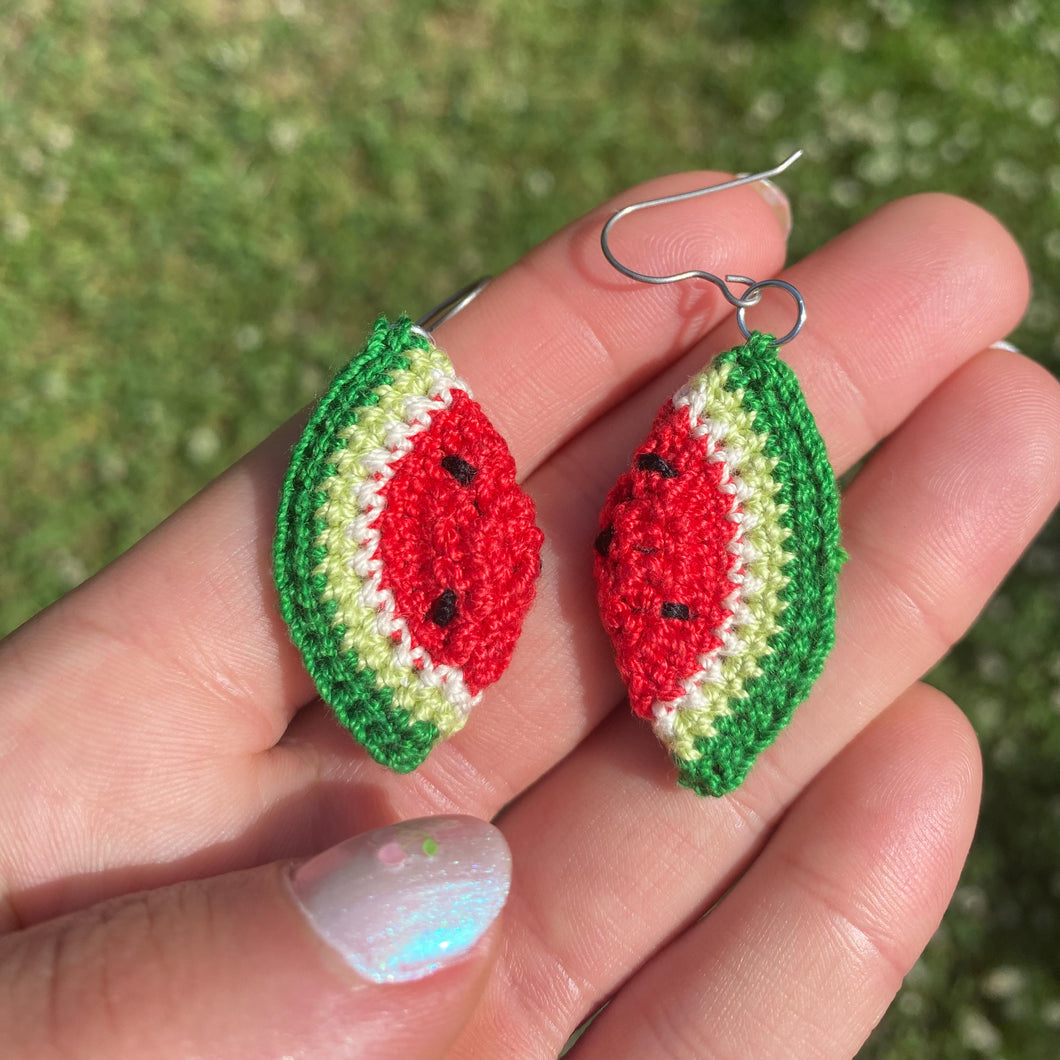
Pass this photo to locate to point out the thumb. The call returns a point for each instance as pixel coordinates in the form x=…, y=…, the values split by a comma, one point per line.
x=378, y=947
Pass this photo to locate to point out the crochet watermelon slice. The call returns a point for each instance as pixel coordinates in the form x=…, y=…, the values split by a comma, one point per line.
x=405, y=553
x=717, y=562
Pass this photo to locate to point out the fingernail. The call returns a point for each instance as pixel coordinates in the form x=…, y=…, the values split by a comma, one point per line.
x=404, y=901
x=777, y=200
x=1002, y=344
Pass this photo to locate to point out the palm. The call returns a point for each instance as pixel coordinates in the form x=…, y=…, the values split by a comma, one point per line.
x=165, y=729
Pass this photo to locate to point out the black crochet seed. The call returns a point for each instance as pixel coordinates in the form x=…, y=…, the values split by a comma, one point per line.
x=654, y=462
x=602, y=544
x=443, y=610
x=460, y=469
x=680, y=611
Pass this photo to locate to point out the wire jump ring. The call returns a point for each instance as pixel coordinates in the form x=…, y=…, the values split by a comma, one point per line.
x=756, y=288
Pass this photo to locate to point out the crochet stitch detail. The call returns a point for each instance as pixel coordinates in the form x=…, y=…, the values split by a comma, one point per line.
x=372, y=627
x=458, y=545
x=350, y=548
x=750, y=541
x=664, y=588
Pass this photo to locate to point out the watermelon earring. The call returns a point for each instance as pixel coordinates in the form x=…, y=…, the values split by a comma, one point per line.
x=405, y=554
x=718, y=552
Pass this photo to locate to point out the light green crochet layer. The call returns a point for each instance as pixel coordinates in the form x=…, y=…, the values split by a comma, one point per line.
x=344, y=586
x=745, y=450
x=807, y=501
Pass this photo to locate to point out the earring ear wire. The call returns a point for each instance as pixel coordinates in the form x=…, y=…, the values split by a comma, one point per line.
x=752, y=295
x=437, y=316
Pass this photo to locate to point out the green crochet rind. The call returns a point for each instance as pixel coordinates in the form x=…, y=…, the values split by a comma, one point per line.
x=798, y=651
x=388, y=733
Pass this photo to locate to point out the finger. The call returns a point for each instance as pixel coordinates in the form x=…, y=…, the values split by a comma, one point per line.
x=805, y=954
x=376, y=948
x=188, y=617
x=903, y=596
x=935, y=520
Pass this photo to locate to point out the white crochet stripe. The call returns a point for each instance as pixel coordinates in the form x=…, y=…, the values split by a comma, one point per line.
x=381, y=466
x=725, y=672
x=709, y=672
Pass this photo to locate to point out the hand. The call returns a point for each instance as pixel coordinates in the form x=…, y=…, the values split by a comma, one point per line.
x=163, y=757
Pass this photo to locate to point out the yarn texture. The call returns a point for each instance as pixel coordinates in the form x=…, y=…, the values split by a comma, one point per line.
x=717, y=562
x=405, y=554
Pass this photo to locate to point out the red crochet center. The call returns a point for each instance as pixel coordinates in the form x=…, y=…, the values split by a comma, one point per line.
x=458, y=542
x=662, y=564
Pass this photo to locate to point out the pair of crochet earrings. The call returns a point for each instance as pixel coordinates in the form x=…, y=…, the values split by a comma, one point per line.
x=406, y=554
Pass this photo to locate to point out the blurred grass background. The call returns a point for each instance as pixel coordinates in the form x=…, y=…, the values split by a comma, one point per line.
x=204, y=204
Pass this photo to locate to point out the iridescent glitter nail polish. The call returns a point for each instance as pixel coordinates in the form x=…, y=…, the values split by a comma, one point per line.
x=404, y=901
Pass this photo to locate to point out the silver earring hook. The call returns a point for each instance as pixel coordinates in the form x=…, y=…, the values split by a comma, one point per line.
x=436, y=317
x=752, y=295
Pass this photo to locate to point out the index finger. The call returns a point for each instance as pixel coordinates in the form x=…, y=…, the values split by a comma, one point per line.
x=188, y=617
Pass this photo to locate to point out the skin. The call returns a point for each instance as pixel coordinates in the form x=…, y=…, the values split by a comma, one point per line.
x=157, y=727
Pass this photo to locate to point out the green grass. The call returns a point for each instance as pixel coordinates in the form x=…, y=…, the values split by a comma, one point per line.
x=204, y=205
